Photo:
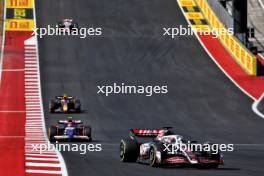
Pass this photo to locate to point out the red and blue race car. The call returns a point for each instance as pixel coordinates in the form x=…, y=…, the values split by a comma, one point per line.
x=70, y=130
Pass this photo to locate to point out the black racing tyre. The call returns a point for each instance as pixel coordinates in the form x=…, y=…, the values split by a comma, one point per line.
x=129, y=150
x=77, y=106
x=87, y=131
x=52, y=105
x=152, y=157
x=52, y=132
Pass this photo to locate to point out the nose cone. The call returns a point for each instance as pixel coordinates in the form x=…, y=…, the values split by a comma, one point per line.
x=70, y=133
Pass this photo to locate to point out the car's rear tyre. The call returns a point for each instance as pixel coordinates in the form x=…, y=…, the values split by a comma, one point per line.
x=87, y=131
x=52, y=105
x=77, y=106
x=52, y=132
x=129, y=150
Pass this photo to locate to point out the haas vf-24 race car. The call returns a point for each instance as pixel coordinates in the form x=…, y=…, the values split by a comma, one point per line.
x=65, y=104
x=70, y=130
x=152, y=147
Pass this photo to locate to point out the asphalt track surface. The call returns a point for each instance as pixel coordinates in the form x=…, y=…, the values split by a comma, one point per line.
x=201, y=103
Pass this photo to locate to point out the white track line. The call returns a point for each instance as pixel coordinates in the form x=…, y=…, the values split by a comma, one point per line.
x=45, y=155
x=34, y=121
x=44, y=152
x=33, y=105
x=255, y=107
x=44, y=172
x=42, y=164
x=41, y=159
x=261, y=56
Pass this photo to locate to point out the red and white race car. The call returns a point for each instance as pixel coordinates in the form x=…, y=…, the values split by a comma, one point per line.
x=165, y=148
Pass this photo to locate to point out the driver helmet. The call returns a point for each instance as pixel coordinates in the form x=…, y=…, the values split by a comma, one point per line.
x=161, y=134
x=70, y=119
x=65, y=96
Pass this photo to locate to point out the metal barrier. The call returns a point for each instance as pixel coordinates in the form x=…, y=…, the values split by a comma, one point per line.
x=240, y=53
x=222, y=13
